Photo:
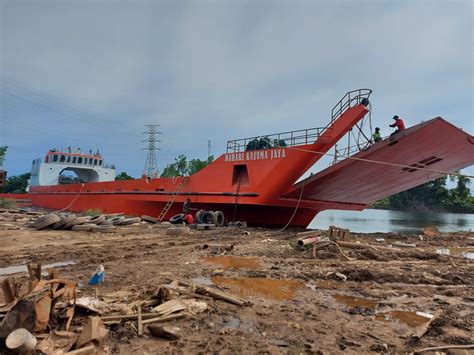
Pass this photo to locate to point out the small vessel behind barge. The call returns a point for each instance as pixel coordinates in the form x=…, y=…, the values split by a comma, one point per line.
x=260, y=186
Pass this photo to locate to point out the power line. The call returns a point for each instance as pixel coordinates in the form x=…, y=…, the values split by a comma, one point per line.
x=151, y=166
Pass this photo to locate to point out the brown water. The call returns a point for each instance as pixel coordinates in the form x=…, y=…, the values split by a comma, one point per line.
x=354, y=302
x=407, y=317
x=260, y=287
x=234, y=262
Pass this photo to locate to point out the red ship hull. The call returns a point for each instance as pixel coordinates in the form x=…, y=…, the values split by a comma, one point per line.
x=259, y=186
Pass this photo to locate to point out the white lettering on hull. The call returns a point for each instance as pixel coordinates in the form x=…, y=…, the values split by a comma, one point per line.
x=256, y=155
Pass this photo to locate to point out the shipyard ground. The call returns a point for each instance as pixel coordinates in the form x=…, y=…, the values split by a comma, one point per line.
x=372, y=311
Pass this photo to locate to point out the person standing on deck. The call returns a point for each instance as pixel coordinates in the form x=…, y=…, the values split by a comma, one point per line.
x=399, y=124
x=376, y=136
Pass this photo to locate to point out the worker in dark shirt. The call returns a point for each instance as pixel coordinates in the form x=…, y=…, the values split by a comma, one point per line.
x=186, y=206
x=399, y=124
x=377, y=136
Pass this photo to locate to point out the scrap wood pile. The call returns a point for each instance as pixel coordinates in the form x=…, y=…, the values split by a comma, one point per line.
x=340, y=238
x=49, y=316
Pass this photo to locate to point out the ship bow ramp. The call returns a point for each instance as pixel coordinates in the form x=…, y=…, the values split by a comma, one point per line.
x=410, y=158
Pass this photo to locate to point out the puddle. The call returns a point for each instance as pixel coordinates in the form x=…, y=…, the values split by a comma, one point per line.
x=233, y=262
x=354, y=302
x=464, y=252
x=407, y=317
x=10, y=270
x=260, y=287
x=202, y=280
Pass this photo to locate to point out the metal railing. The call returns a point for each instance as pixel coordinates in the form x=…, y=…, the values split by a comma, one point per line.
x=276, y=140
x=350, y=99
x=302, y=136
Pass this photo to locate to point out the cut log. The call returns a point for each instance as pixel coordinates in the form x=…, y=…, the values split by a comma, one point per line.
x=164, y=319
x=366, y=246
x=309, y=234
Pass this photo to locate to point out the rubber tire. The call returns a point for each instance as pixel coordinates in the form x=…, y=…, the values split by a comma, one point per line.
x=78, y=220
x=149, y=219
x=177, y=218
x=97, y=219
x=46, y=221
x=106, y=223
x=209, y=217
x=87, y=227
x=117, y=220
x=219, y=218
x=199, y=216
x=128, y=221
x=64, y=220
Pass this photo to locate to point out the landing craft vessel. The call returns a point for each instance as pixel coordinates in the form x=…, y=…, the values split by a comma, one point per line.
x=262, y=186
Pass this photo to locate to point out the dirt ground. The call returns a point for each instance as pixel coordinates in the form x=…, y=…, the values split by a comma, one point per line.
x=309, y=310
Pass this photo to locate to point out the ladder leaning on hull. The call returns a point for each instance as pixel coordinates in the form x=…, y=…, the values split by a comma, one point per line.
x=170, y=202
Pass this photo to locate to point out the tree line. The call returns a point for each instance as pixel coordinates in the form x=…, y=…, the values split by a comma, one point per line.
x=433, y=196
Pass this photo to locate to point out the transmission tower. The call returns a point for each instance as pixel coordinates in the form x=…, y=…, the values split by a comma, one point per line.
x=151, y=167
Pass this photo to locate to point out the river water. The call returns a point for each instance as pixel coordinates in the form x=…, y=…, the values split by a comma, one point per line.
x=371, y=221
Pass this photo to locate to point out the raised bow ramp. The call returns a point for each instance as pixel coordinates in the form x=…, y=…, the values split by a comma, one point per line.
x=434, y=145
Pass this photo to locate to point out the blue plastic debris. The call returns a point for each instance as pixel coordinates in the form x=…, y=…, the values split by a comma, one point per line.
x=98, y=276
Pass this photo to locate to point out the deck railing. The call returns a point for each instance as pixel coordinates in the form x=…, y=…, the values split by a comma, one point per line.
x=302, y=136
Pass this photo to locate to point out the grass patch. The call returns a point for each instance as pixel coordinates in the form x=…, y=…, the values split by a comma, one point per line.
x=93, y=212
x=7, y=203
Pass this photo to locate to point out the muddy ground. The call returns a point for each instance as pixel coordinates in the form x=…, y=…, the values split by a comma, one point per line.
x=310, y=310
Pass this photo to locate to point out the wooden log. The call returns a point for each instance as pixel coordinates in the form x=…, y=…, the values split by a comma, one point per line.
x=424, y=329
x=214, y=293
x=90, y=349
x=309, y=234
x=165, y=318
x=306, y=241
x=8, y=292
x=139, y=320
x=121, y=317
x=366, y=246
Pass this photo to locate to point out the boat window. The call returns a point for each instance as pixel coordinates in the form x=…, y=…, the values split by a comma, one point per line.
x=68, y=159
x=79, y=160
x=62, y=159
x=90, y=161
x=100, y=162
x=74, y=160
x=55, y=157
x=95, y=161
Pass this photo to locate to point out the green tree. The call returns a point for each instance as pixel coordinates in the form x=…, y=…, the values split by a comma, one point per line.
x=3, y=152
x=181, y=166
x=17, y=184
x=124, y=176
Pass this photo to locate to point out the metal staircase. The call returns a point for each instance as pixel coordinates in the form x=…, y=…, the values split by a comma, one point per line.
x=170, y=202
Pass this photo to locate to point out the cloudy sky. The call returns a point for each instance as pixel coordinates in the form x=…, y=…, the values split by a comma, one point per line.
x=92, y=74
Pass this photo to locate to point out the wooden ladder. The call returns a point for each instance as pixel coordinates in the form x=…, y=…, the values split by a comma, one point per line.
x=170, y=202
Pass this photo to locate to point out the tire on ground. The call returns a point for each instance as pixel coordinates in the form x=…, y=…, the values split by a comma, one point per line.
x=199, y=216
x=132, y=220
x=106, y=223
x=97, y=219
x=117, y=220
x=219, y=218
x=76, y=221
x=177, y=218
x=64, y=220
x=87, y=227
x=47, y=220
x=149, y=219
x=209, y=217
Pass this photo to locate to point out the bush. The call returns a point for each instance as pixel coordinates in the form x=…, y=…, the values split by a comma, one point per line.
x=7, y=203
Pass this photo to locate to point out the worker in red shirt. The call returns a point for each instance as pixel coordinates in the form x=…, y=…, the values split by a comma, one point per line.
x=399, y=124
x=188, y=219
